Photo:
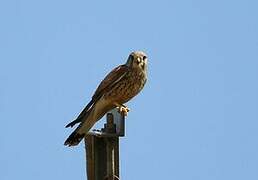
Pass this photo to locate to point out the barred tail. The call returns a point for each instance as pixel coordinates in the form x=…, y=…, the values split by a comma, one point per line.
x=78, y=134
x=74, y=139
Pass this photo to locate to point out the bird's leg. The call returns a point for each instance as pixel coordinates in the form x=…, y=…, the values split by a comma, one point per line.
x=122, y=109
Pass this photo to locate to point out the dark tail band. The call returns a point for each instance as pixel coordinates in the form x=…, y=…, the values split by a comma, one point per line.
x=74, y=139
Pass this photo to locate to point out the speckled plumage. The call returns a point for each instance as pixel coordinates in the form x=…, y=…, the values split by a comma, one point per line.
x=128, y=87
x=118, y=87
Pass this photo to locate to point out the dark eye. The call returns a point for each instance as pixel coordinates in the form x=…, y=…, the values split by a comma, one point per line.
x=144, y=57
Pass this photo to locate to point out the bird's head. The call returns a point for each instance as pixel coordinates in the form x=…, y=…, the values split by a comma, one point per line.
x=137, y=59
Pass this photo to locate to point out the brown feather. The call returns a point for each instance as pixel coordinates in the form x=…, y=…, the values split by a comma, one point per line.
x=111, y=79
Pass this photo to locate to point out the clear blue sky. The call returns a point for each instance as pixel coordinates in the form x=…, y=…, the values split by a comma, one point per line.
x=197, y=118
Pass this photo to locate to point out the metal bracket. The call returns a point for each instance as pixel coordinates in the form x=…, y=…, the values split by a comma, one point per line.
x=102, y=148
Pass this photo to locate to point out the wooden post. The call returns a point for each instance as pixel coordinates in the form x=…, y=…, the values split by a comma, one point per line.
x=102, y=149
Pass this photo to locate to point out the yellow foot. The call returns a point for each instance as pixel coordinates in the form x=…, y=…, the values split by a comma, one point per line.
x=123, y=110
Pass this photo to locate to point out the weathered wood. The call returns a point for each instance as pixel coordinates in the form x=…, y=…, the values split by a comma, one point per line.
x=102, y=149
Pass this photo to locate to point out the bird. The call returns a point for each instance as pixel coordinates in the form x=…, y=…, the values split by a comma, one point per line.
x=118, y=87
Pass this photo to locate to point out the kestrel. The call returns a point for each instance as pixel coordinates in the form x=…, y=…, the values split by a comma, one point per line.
x=118, y=87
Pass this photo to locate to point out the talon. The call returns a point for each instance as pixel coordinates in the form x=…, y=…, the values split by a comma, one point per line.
x=123, y=110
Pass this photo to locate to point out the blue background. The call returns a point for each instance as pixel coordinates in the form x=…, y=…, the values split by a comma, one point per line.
x=197, y=118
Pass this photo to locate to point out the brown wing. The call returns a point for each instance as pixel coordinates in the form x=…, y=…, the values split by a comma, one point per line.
x=110, y=80
x=81, y=115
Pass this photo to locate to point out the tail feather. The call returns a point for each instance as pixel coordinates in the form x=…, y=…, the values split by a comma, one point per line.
x=71, y=124
x=82, y=115
x=86, y=124
x=78, y=134
x=74, y=139
x=87, y=119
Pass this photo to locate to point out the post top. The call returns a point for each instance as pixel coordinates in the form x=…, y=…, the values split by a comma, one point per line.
x=114, y=127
